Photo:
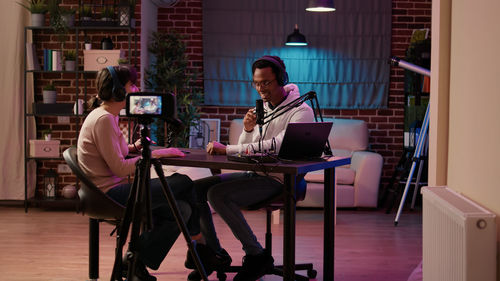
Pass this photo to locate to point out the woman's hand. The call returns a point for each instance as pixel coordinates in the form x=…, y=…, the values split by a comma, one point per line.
x=214, y=147
x=135, y=147
x=167, y=153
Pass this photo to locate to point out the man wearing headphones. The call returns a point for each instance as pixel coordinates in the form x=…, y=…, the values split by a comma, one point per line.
x=237, y=190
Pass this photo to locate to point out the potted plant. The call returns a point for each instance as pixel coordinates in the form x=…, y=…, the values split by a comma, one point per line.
x=57, y=23
x=86, y=13
x=49, y=93
x=107, y=13
x=169, y=73
x=38, y=9
x=70, y=60
x=47, y=134
x=88, y=44
x=68, y=16
x=122, y=61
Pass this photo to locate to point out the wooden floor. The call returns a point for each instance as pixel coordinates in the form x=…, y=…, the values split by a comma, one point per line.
x=53, y=245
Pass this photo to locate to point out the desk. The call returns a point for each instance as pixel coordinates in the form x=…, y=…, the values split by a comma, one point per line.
x=199, y=158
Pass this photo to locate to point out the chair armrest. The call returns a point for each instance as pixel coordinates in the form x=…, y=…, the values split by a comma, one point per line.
x=368, y=167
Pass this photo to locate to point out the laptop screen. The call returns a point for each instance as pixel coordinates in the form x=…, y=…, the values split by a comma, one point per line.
x=304, y=141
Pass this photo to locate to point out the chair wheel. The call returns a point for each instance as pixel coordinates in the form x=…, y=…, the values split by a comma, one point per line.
x=311, y=273
x=221, y=276
x=194, y=276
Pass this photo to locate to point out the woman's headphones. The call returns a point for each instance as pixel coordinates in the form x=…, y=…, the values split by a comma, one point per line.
x=282, y=75
x=118, y=93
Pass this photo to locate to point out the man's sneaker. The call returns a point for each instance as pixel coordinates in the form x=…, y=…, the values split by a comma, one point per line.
x=209, y=258
x=211, y=261
x=255, y=266
x=140, y=274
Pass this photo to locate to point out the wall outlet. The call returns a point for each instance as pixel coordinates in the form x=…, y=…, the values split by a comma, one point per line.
x=63, y=168
x=63, y=119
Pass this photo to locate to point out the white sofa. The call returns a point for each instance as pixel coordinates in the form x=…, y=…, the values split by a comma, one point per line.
x=358, y=183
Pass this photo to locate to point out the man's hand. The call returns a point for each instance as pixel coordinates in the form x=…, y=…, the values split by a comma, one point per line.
x=167, y=153
x=250, y=120
x=214, y=147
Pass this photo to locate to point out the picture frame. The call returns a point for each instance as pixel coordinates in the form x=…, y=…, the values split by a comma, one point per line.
x=205, y=131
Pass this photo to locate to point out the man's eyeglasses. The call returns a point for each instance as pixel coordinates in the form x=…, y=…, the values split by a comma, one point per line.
x=262, y=84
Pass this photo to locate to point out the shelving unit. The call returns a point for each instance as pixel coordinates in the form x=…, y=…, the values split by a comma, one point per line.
x=80, y=92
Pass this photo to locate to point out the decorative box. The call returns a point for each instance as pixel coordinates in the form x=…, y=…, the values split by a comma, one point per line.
x=95, y=60
x=52, y=108
x=43, y=148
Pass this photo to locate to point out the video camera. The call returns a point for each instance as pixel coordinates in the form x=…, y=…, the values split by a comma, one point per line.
x=148, y=105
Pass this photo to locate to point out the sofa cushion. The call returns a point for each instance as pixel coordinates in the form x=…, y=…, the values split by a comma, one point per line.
x=235, y=129
x=348, y=134
x=341, y=152
x=344, y=176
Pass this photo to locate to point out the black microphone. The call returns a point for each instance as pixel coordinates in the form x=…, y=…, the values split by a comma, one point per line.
x=259, y=111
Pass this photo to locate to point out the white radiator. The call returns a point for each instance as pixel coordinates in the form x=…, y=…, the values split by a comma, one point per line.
x=459, y=238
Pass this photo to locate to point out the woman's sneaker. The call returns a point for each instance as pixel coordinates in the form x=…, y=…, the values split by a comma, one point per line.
x=208, y=257
x=255, y=266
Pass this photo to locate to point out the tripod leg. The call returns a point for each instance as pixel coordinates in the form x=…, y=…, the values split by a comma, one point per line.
x=138, y=214
x=419, y=175
x=122, y=232
x=416, y=157
x=180, y=222
x=405, y=192
x=417, y=183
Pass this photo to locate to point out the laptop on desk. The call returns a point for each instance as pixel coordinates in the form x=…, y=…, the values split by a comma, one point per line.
x=302, y=141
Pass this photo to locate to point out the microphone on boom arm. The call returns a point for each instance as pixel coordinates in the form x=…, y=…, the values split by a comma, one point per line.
x=259, y=111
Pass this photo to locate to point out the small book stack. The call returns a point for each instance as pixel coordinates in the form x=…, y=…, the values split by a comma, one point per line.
x=52, y=60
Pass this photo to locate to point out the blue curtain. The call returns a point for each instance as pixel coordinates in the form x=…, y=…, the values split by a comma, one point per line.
x=345, y=61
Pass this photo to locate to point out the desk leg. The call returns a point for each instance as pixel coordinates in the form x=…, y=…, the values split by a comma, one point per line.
x=329, y=226
x=289, y=230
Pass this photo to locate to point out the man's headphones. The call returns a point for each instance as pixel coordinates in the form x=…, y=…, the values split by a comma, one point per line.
x=118, y=92
x=282, y=75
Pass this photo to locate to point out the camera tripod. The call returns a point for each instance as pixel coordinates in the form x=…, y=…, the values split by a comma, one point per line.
x=138, y=215
x=395, y=61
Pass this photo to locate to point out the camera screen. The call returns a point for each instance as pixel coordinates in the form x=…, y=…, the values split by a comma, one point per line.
x=151, y=105
x=145, y=105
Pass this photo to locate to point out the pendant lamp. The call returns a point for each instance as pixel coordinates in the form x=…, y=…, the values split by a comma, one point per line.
x=296, y=38
x=320, y=6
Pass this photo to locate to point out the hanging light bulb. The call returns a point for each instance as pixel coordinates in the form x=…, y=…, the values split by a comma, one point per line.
x=296, y=38
x=320, y=6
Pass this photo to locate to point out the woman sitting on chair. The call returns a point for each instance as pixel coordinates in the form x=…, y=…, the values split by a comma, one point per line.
x=101, y=154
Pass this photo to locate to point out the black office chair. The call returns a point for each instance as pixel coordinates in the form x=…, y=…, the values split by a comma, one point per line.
x=95, y=204
x=271, y=205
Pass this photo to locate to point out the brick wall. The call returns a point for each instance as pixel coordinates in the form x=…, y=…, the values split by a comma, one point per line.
x=385, y=125
x=65, y=84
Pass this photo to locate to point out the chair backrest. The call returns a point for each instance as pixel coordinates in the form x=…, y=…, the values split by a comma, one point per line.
x=93, y=202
